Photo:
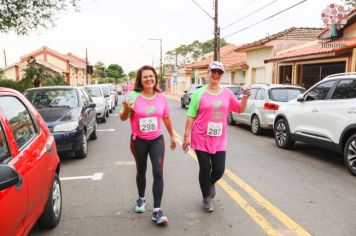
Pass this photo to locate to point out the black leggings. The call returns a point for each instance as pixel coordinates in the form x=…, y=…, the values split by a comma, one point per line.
x=212, y=167
x=140, y=148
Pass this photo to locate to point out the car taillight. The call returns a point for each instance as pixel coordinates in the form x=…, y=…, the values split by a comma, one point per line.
x=270, y=106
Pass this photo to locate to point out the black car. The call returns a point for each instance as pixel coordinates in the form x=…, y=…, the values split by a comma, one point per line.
x=69, y=114
x=185, y=99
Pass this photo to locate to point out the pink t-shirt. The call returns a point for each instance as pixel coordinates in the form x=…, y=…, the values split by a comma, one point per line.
x=147, y=115
x=210, y=112
x=128, y=88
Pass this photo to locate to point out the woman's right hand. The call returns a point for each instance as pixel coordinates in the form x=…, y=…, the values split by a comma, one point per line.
x=127, y=105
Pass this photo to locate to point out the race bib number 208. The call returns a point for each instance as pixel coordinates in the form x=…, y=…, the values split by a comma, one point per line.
x=214, y=129
x=148, y=124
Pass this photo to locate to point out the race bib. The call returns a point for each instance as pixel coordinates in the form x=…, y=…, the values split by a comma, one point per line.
x=148, y=124
x=214, y=129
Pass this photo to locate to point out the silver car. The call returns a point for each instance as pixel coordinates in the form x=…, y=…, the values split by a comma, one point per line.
x=262, y=105
x=98, y=96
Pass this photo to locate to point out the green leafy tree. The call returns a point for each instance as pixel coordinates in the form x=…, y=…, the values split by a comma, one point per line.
x=132, y=75
x=186, y=54
x=99, y=70
x=114, y=71
x=35, y=73
x=350, y=3
x=55, y=79
x=22, y=16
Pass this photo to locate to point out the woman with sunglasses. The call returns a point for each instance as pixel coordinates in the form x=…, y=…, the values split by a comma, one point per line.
x=205, y=129
x=146, y=108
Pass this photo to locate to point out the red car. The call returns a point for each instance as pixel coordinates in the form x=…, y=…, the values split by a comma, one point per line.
x=30, y=189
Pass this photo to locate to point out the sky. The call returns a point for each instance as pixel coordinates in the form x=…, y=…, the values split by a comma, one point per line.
x=118, y=31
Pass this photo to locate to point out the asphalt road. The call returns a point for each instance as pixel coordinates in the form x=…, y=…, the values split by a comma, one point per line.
x=265, y=190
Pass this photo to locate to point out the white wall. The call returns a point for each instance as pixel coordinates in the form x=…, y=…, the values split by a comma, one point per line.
x=255, y=60
x=10, y=73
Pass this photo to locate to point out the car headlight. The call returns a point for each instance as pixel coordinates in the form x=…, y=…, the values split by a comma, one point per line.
x=69, y=126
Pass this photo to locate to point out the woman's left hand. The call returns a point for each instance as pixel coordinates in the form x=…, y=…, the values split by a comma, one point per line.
x=173, y=143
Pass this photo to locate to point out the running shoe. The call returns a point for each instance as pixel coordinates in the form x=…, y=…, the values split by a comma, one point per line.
x=140, y=206
x=208, y=204
x=212, y=191
x=159, y=218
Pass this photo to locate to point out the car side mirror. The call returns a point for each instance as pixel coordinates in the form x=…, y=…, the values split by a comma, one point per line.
x=91, y=105
x=300, y=98
x=8, y=177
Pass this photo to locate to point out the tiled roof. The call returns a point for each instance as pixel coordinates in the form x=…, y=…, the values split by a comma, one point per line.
x=50, y=66
x=228, y=57
x=318, y=48
x=293, y=33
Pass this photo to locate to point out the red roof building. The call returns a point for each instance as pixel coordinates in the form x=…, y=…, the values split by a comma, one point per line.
x=309, y=63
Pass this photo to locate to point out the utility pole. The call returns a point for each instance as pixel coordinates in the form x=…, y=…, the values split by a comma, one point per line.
x=161, y=64
x=86, y=67
x=5, y=58
x=216, y=33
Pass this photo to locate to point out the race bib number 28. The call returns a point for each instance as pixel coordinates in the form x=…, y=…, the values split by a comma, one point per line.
x=214, y=129
x=148, y=124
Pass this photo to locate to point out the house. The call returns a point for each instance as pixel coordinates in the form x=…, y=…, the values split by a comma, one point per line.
x=258, y=51
x=72, y=67
x=234, y=63
x=180, y=80
x=311, y=62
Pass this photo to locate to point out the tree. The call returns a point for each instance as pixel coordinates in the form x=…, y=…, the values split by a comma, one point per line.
x=99, y=70
x=114, y=71
x=34, y=73
x=186, y=54
x=55, y=79
x=350, y=3
x=22, y=16
x=132, y=75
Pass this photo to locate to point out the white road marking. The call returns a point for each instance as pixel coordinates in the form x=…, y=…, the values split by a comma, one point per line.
x=106, y=130
x=96, y=176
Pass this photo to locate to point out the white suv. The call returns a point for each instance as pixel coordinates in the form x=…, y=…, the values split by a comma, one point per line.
x=325, y=116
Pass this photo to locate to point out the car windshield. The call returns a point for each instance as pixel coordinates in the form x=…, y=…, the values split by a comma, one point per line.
x=235, y=90
x=44, y=98
x=105, y=89
x=93, y=91
x=284, y=94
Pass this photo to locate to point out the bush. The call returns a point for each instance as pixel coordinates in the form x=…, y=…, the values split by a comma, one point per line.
x=21, y=85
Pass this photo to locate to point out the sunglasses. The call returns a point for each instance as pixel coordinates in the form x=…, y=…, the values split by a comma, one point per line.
x=220, y=72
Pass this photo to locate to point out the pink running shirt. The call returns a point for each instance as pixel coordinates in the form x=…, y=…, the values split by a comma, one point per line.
x=210, y=112
x=147, y=115
x=128, y=88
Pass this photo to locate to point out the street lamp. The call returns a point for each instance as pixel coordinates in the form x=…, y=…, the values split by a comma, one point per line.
x=161, y=66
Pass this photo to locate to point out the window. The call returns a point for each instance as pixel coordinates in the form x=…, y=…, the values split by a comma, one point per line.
x=261, y=95
x=345, y=89
x=20, y=120
x=4, y=150
x=320, y=91
x=45, y=98
x=84, y=98
x=253, y=93
x=284, y=94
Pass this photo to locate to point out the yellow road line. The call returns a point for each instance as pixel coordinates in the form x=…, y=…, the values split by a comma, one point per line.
x=259, y=219
x=250, y=210
x=288, y=222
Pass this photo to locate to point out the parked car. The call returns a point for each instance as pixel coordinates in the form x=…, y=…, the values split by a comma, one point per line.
x=324, y=116
x=262, y=105
x=30, y=189
x=185, y=99
x=110, y=98
x=236, y=89
x=70, y=115
x=97, y=95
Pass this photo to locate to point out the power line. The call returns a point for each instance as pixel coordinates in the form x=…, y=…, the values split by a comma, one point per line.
x=203, y=10
x=265, y=19
x=259, y=9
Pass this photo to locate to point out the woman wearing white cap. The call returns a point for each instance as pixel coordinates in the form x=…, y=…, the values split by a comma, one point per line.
x=205, y=129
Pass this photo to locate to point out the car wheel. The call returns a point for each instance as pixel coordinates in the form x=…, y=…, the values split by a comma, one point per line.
x=350, y=154
x=282, y=134
x=104, y=118
x=182, y=105
x=110, y=111
x=107, y=113
x=94, y=134
x=83, y=150
x=230, y=120
x=53, y=211
x=255, y=125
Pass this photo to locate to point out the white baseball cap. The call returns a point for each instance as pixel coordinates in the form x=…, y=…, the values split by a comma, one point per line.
x=216, y=65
